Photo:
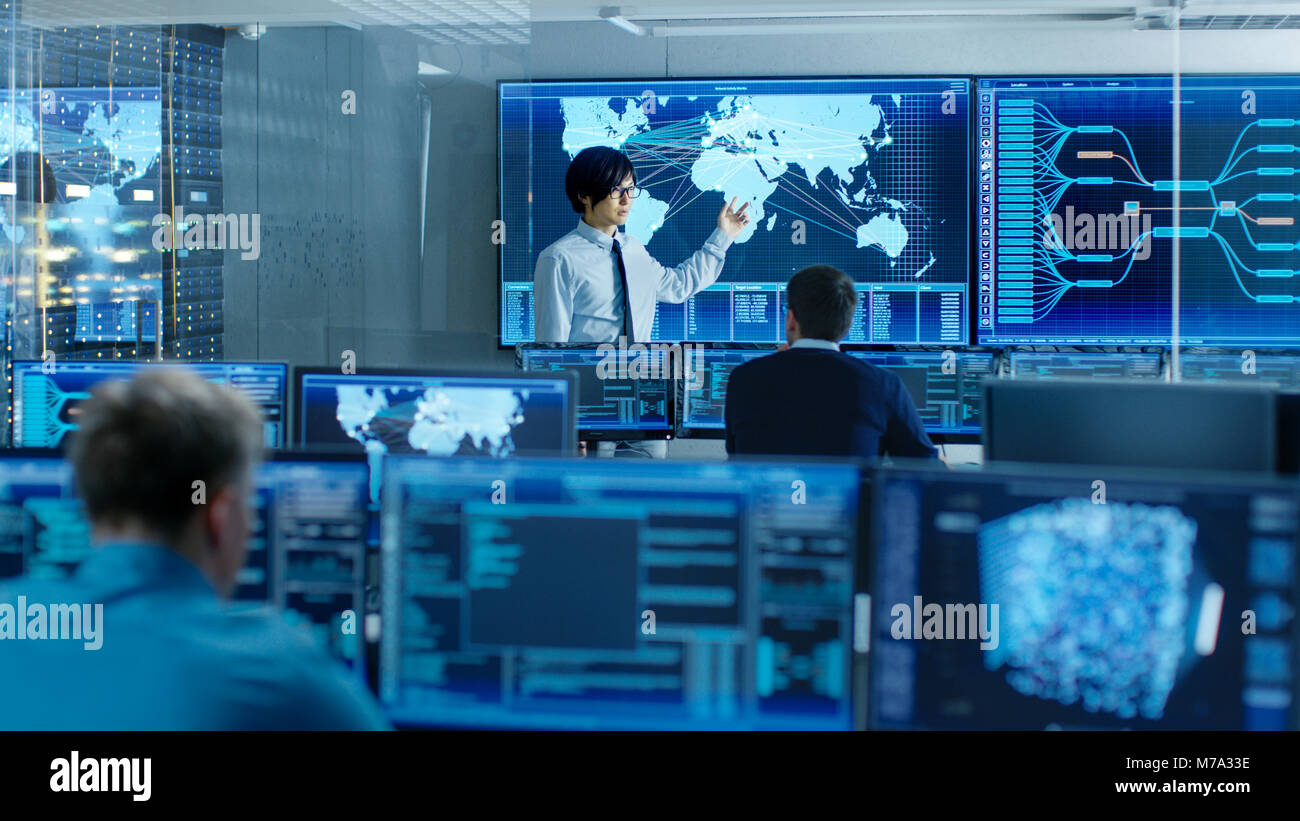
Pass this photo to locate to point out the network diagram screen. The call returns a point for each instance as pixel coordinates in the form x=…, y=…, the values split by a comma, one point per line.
x=946, y=386
x=46, y=393
x=1098, y=365
x=985, y=604
x=868, y=175
x=598, y=594
x=621, y=392
x=1076, y=221
x=43, y=530
x=704, y=391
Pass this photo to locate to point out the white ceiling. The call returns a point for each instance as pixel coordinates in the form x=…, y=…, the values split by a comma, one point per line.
x=508, y=21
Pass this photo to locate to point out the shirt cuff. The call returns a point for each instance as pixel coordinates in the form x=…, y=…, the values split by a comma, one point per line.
x=718, y=242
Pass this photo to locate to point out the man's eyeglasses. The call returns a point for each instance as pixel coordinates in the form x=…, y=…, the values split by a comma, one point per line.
x=631, y=191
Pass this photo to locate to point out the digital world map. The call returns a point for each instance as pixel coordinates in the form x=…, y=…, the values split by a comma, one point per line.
x=868, y=175
x=748, y=147
x=439, y=421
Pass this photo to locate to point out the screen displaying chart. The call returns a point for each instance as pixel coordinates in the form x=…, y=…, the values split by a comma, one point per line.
x=704, y=391
x=947, y=387
x=868, y=175
x=627, y=396
x=618, y=594
x=1092, y=365
x=1077, y=221
x=47, y=393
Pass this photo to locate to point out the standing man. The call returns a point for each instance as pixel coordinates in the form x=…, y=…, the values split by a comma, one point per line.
x=597, y=283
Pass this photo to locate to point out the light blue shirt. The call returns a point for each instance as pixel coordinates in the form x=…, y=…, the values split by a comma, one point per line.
x=172, y=656
x=823, y=344
x=577, y=295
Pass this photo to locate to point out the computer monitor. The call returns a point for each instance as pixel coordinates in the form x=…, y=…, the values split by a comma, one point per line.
x=1130, y=423
x=622, y=394
x=1092, y=365
x=436, y=412
x=869, y=174
x=611, y=594
x=1037, y=597
x=306, y=551
x=1082, y=207
x=706, y=370
x=946, y=386
x=1288, y=432
x=1277, y=369
x=43, y=530
x=46, y=393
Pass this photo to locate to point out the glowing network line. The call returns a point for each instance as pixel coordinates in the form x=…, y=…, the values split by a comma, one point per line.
x=673, y=149
x=40, y=393
x=1035, y=161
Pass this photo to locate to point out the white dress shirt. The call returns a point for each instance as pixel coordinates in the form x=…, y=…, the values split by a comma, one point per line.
x=824, y=344
x=577, y=295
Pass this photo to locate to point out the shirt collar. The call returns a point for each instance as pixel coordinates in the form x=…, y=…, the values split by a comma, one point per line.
x=602, y=239
x=122, y=565
x=822, y=344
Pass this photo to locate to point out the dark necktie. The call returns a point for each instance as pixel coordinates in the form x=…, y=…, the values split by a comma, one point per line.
x=627, y=298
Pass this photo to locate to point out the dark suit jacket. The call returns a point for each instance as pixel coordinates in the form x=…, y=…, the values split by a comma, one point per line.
x=813, y=402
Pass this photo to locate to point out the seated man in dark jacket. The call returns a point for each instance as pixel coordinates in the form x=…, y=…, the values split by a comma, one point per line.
x=814, y=400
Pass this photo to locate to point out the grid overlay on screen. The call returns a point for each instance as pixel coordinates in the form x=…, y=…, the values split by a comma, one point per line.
x=887, y=200
x=1086, y=258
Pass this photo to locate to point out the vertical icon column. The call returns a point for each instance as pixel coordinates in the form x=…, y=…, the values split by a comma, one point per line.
x=985, y=195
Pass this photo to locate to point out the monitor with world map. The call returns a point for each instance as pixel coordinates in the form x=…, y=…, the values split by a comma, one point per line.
x=439, y=412
x=870, y=175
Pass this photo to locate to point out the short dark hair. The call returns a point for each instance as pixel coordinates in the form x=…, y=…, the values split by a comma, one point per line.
x=141, y=445
x=595, y=172
x=823, y=299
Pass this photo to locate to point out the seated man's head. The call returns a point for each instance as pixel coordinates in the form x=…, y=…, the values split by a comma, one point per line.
x=601, y=184
x=822, y=300
x=168, y=458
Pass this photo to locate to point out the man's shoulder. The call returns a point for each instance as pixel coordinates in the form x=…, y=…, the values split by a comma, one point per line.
x=797, y=360
x=565, y=243
x=753, y=367
x=264, y=632
x=302, y=686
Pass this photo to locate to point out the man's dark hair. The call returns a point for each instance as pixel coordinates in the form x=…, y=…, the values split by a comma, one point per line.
x=823, y=299
x=594, y=173
x=141, y=445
